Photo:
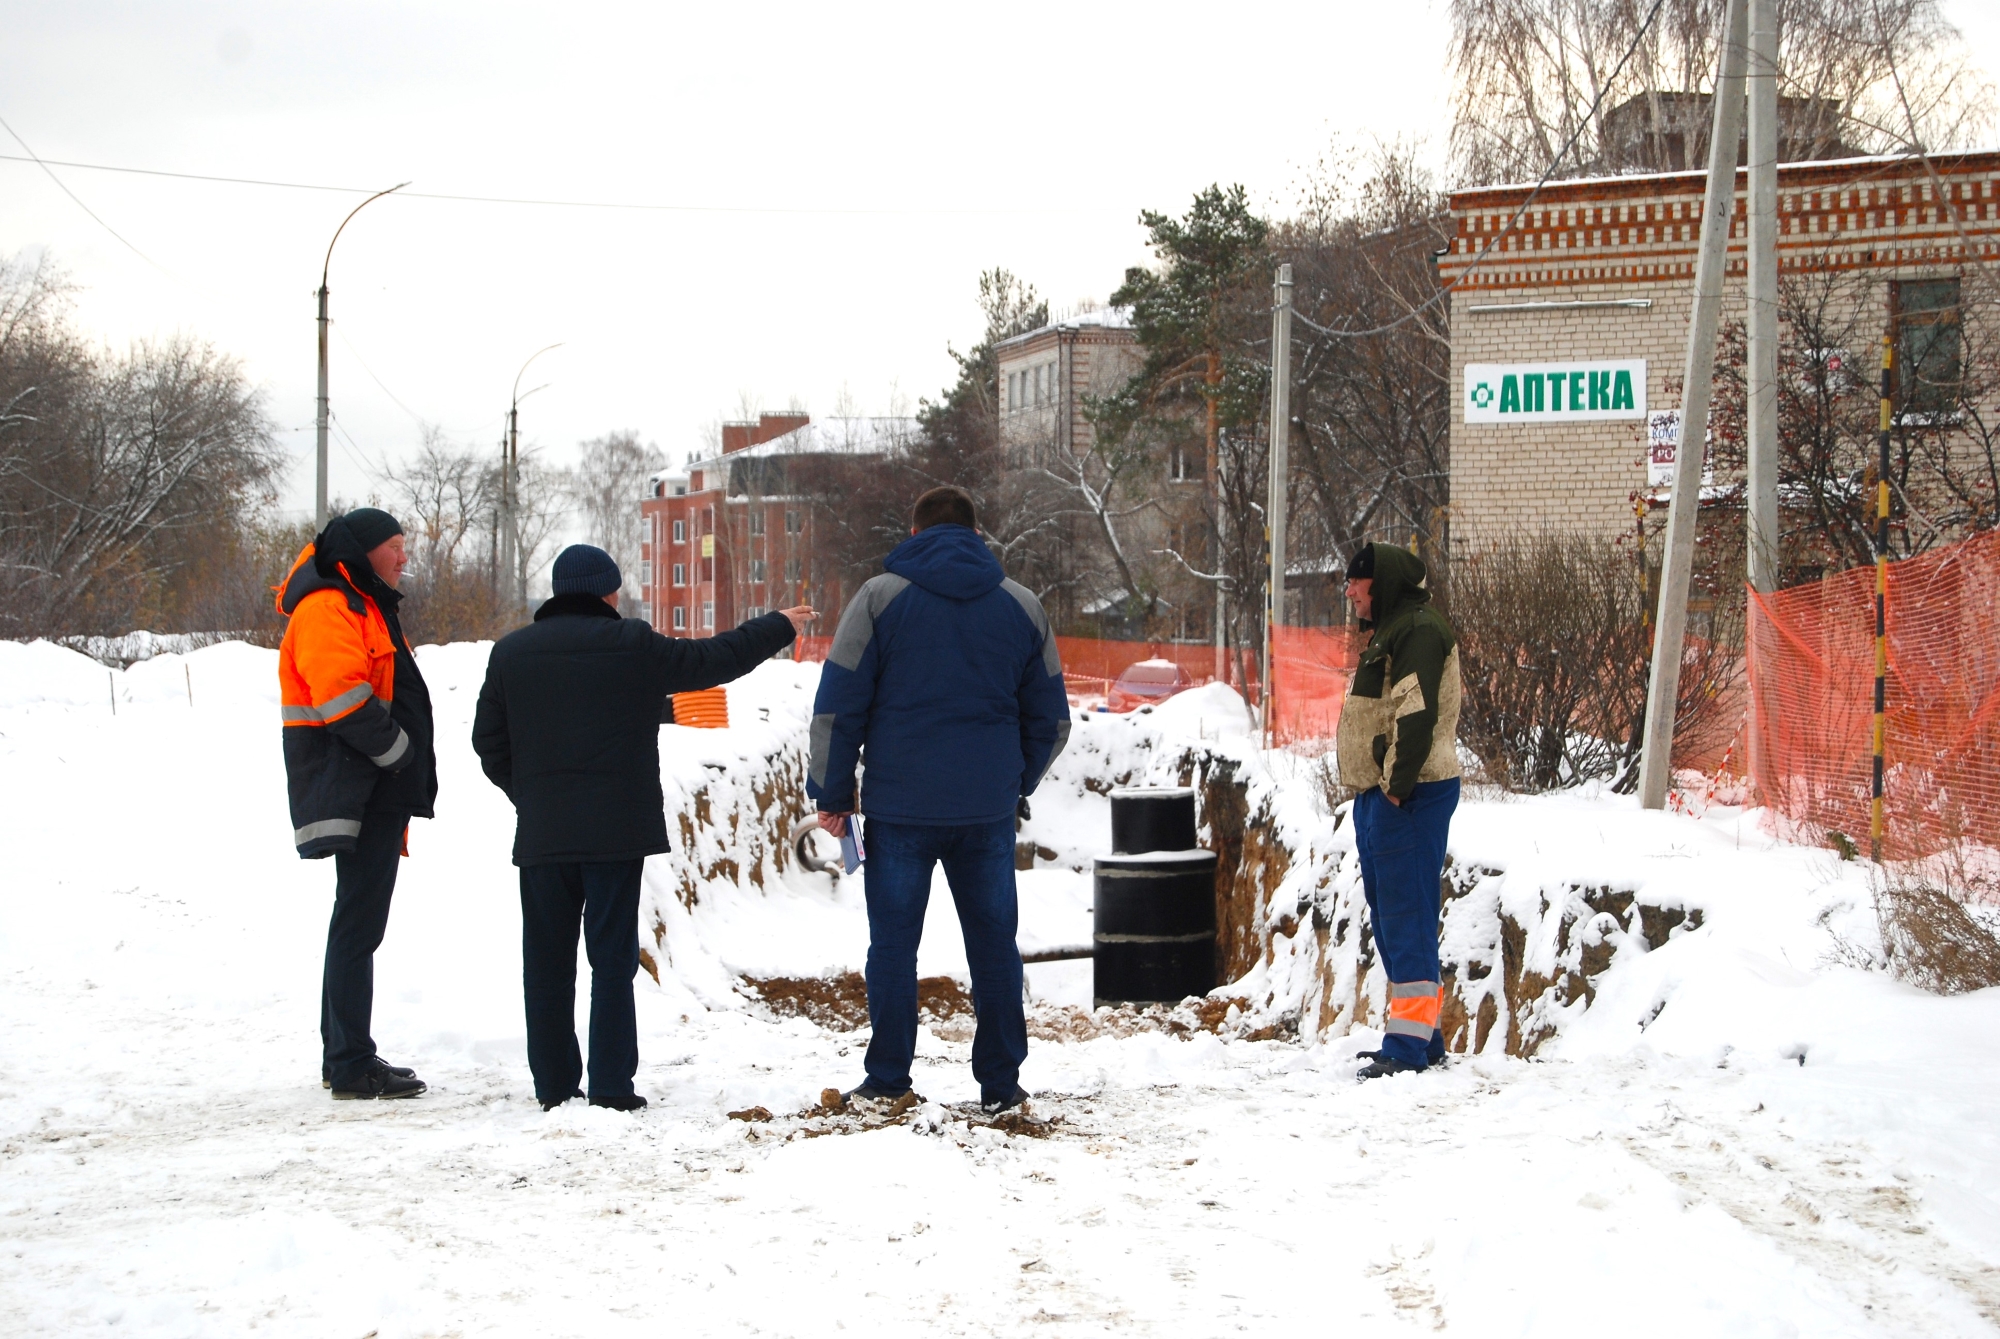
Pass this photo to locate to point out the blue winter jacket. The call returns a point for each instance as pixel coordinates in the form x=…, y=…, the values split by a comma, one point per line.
x=945, y=677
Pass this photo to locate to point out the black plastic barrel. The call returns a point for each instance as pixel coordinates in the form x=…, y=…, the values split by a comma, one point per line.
x=1153, y=905
x=1153, y=927
x=1146, y=818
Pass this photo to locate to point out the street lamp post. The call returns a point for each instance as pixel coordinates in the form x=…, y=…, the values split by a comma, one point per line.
x=513, y=561
x=319, y=441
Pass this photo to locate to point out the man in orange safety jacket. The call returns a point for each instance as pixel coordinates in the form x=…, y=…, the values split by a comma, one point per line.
x=359, y=765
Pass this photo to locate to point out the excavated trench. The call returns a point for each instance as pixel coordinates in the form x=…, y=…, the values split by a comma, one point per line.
x=1518, y=964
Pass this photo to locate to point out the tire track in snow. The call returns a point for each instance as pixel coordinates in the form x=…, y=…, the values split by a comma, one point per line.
x=1833, y=1209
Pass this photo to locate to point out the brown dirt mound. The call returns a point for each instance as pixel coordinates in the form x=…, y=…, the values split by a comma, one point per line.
x=840, y=1003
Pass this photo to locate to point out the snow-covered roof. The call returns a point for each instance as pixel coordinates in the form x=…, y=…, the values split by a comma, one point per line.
x=1107, y=318
x=859, y=436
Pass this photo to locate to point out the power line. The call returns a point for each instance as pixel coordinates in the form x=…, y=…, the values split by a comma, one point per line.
x=510, y=199
x=44, y=165
x=1494, y=240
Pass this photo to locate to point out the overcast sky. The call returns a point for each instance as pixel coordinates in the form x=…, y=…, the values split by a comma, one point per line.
x=846, y=171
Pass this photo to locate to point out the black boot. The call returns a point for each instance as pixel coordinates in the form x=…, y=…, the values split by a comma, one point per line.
x=551, y=1105
x=631, y=1102
x=1384, y=1065
x=993, y=1106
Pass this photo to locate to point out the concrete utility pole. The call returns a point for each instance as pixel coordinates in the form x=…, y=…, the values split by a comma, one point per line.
x=1280, y=469
x=319, y=421
x=1718, y=206
x=1761, y=533
x=515, y=563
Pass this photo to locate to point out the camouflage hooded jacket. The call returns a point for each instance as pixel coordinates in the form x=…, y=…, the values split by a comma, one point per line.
x=1399, y=723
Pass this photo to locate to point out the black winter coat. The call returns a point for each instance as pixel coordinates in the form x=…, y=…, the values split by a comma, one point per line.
x=568, y=723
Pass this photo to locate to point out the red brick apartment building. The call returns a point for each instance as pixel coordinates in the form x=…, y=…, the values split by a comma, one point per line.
x=734, y=535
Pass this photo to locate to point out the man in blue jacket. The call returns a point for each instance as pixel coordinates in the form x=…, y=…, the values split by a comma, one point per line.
x=944, y=679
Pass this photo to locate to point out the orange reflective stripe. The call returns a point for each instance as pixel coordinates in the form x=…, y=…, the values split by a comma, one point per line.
x=1422, y=1009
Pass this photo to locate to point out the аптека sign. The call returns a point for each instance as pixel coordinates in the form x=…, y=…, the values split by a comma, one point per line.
x=1555, y=392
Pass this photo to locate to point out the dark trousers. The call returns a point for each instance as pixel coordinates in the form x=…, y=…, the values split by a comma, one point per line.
x=603, y=898
x=364, y=879
x=978, y=864
x=1402, y=850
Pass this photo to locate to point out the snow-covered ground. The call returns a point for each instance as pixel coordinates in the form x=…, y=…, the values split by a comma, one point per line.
x=1738, y=1137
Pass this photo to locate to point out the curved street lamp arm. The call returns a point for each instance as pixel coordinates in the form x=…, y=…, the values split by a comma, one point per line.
x=323, y=269
x=524, y=370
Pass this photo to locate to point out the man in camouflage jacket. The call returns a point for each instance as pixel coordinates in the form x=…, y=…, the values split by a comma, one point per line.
x=1397, y=745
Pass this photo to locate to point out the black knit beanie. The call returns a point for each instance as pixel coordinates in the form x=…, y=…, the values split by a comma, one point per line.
x=584, y=569
x=1361, y=566
x=372, y=527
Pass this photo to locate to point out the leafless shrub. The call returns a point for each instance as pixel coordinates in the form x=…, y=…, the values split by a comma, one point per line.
x=1929, y=938
x=1554, y=646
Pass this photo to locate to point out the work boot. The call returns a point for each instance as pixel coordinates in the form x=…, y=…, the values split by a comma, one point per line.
x=872, y=1103
x=1384, y=1065
x=629, y=1102
x=993, y=1106
x=379, y=1082
x=552, y=1105
x=326, y=1075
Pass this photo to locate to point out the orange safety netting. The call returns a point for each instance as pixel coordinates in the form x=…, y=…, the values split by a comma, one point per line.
x=1310, y=665
x=1310, y=668
x=1812, y=692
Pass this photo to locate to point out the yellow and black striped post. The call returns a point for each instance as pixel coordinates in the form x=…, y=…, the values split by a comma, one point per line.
x=1881, y=602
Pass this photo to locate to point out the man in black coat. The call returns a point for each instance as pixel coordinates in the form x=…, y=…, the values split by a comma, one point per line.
x=568, y=725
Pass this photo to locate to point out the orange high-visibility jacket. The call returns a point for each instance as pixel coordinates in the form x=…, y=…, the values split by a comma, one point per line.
x=337, y=684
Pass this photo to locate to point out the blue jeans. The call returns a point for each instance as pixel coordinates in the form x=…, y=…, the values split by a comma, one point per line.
x=979, y=865
x=601, y=897
x=1402, y=850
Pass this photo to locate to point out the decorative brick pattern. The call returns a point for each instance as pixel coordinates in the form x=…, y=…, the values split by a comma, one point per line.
x=1626, y=238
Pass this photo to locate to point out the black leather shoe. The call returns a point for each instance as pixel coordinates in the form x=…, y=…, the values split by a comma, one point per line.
x=380, y=1084
x=552, y=1105
x=632, y=1102
x=326, y=1077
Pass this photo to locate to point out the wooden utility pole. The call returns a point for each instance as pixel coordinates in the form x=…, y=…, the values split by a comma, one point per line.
x=1677, y=564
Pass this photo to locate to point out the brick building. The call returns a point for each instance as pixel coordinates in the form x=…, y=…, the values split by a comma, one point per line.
x=1047, y=376
x=736, y=534
x=1568, y=341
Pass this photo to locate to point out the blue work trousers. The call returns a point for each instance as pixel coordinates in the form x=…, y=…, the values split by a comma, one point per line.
x=1402, y=850
x=601, y=897
x=978, y=861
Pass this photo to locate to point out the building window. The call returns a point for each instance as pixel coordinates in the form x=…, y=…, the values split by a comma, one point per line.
x=645, y=574
x=792, y=566
x=1186, y=462
x=680, y=618
x=754, y=611
x=756, y=520
x=680, y=574
x=646, y=610
x=708, y=613
x=680, y=532
x=1927, y=345
x=756, y=570
x=792, y=526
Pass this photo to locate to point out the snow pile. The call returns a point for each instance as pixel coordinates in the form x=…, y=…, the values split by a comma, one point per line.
x=1798, y=1147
